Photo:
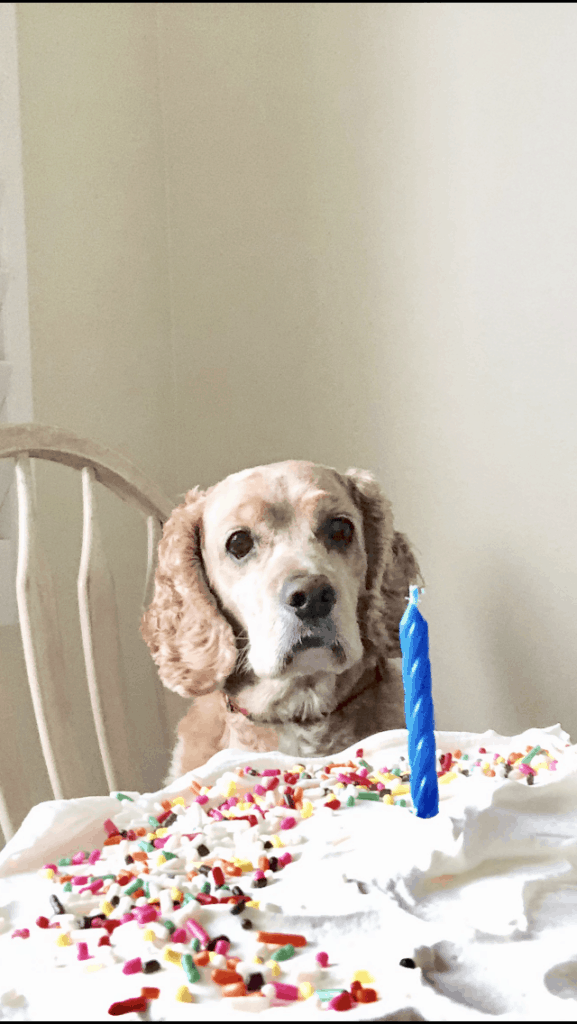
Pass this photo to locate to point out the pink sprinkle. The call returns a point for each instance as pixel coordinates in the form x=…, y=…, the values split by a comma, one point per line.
x=553, y=766
x=197, y=931
x=284, y=991
x=202, y=799
x=363, y=772
x=146, y=914
x=288, y=823
x=53, y=866
x=93, y=887
x=179, y=935
x=285, y=859
x=216, y=814
x=78, y=858
x=110, y=827
x=258, y=874
x=233, y=801
x=249, y=798
x=83, y=953
x=125, y=918
x=381, y=785
x=359, y=752
x=496, y=757
x=271, y=771
x=21, y=933
x=344, y=778
x=322, y=959
x=222, y=946
x=94, y=856
x=80, y=880
x=259, y=790
x=98, y=922
x=132, y=966
x=527, y=770
x=159, y=843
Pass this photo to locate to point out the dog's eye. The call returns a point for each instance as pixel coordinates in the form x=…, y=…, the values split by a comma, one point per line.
x=339, y=532
x=239, y=544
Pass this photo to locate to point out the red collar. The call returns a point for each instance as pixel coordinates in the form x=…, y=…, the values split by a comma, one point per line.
x=235, y=708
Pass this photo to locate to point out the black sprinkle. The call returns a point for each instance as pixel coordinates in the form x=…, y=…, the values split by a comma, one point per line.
x=115, y=901
x=238, y=908
x=204, y=869
x=150, y=967
x=56, y=905
x=124, y=834
x=86, y=922
x=289, y=800
x=465, y=772
x=273, y=863
x=255, y=982
x=128, y=859
x=407, y=961
x=259, y=883
x=169, y=821
x=246, y=923
x=530, y=780
x=405, y=778
x=267, y=845
x=202, y=850
x=363, y=888
x=237, y=891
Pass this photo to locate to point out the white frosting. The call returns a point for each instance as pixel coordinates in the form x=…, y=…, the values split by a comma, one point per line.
x=483, y=897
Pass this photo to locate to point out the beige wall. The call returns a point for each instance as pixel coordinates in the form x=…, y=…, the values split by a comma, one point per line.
x=343, y=232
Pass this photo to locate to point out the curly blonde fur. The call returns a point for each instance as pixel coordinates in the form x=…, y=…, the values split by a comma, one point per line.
x=222, y=629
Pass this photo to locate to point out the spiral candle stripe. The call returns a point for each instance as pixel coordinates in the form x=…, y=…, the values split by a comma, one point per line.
x=414, y=636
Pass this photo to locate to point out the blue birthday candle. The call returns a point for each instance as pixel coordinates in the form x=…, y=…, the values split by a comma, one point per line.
x=414, y=636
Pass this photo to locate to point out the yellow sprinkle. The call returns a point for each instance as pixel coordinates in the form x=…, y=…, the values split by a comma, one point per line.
x=244, y=865
x=176, y=894
x=106, y=907
x=381, y=777
x=161, y=859
x=500, y=760
x=205, y=790
x=305, y=990
x=388, y=799
x=184, y=995
x=211, y=955
x=90, y=968
x=148, y=935
x=171, y=956
x=274, y=967
x=257, y=960
x=150, y=837
x=47, y=873
x=161, y=833
x=389, y=777
x=64, y=940
x=447, y=777
x=339, y=785
x=306, y=809
x=178, y=800
x=253, y=903
x=276, y=841
x=365, y=977
x=404, y=788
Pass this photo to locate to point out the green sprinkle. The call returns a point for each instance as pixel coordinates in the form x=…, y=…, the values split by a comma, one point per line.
x=168, y=855
x=329, y=993
x=103, y=877
x=188, y=898
x=284, y=953
x=396, y=771
x=366, y=765
x=133, y=887
x=350, y=801
x=190, y=969
x=205, y=888
x=170, y=925
x=67, y=887
x=368, y=795
x=153, y=822
x=64, y=862
x=195, y=945
x=146, y=888
x=147, y=847
x=528, y=757
x=402, y=803
x=465, y=757
x=124, y=796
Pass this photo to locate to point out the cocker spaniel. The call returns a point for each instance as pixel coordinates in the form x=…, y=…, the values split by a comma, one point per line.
x=278, y=597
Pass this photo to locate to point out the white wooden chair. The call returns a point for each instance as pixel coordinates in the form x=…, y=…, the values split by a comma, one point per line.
x=41, y=640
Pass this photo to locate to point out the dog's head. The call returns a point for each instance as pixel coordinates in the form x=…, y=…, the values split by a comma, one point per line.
x=284, y=571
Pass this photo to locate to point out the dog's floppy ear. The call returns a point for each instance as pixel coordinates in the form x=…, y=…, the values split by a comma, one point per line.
x=191, y=642
x=391, y=567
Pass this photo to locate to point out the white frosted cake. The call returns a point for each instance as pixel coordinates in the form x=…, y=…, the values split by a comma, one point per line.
x=257, y=887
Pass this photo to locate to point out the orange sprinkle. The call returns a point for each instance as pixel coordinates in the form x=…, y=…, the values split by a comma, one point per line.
x=458, y=754
x=166, y=804
x=137, y=894
x=263, y=863
x=141, y=831
x=112, y=841
x=224, y=977
x=140, y=855
x=201, y=959
x=280, y=939
x=238, y=989
x=150, y=993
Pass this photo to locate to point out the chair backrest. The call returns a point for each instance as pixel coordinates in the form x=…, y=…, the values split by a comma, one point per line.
x=41, y=638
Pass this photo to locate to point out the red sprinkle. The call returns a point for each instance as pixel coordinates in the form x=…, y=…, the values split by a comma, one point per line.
x=136, y=1005
x=482, y=750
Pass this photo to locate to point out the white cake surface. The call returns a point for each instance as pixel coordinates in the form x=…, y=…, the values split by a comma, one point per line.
x=483, y=897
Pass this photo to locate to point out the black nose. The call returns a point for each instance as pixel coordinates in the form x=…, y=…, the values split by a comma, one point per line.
x=311, y=597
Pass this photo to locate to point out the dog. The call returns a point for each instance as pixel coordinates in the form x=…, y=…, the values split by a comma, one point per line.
x=277, y=601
